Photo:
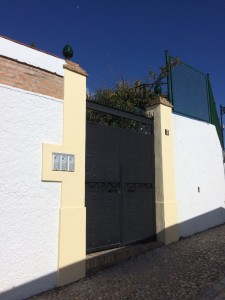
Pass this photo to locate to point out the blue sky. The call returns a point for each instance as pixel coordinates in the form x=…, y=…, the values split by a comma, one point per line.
x=115, y=38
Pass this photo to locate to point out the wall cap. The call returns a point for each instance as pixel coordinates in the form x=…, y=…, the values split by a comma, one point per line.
x=71, y=66
x=158, y=100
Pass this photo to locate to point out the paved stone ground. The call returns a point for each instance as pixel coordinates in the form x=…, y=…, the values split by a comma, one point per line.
x=187, y=269
x=217, y=292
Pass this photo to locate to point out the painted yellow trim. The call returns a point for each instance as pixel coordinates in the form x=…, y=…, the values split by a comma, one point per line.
x=72, y=224
x=72, y=244
x=166, y=205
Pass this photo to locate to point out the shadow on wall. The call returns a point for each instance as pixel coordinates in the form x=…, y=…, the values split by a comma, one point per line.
x=187, y=228
x=34, y=287
x=202, y=222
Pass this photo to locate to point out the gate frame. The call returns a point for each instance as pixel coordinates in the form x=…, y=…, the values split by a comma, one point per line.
x=167, y=229
x=117, y=112
x=96, y=106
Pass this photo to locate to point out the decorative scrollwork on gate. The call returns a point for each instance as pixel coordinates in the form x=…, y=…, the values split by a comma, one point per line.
x=107, y=187
x=132, y=187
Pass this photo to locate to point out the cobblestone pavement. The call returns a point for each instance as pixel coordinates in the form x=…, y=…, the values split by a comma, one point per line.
x=217, y=292
x=187, y=269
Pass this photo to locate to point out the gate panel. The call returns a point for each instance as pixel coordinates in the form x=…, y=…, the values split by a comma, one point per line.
x=138, y=221
x=103, y=197
x=119, y=186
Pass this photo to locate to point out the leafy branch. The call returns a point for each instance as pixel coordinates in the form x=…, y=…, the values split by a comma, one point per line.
x=131, y=96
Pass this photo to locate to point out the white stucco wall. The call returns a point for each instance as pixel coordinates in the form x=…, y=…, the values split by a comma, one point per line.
x=29, y=207
x=198, y=163
x=31, y=56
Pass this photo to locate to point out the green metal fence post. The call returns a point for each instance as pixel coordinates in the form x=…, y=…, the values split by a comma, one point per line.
x=208, y=98
x=222, y=111
x=168, y=76
x=171, y=81
x=214, y=114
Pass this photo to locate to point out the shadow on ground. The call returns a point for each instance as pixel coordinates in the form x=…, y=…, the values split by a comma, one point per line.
x=187, y=228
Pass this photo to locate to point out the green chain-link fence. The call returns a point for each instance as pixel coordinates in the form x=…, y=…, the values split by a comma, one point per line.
x=190, y=93
x=214, y=116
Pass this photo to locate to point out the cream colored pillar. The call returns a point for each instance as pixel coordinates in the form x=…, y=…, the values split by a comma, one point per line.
x=166, y=206
x=72, y=215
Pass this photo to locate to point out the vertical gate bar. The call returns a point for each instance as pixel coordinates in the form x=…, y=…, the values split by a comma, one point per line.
x=154, y=189
x=121, y=186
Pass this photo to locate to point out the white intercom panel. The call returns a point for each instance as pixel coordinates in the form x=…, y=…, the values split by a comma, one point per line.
x=63, y=162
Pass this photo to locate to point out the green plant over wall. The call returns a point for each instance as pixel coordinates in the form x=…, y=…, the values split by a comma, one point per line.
x=129, y=96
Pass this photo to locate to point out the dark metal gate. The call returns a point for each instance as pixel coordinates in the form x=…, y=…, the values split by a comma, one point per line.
x=119, y=185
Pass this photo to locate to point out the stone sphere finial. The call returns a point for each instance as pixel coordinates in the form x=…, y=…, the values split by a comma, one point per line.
x=68, y=52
